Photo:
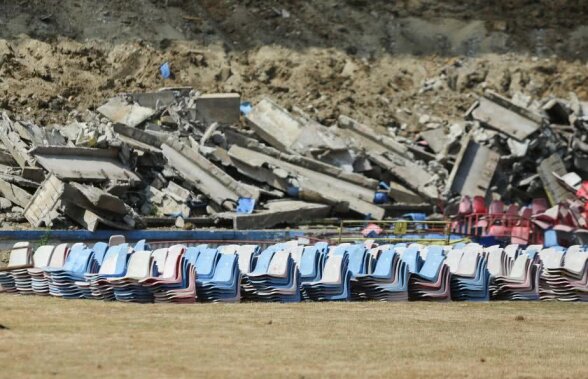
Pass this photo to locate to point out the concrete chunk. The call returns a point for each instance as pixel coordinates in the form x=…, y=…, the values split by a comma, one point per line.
x=43, y=207
x=119, y=111
x=77, y=163
x=277, y=212
x=221, y=188
x=219, y=107
x=473, y=169
x=14, y=193
x=501, y=114
x=556, y=192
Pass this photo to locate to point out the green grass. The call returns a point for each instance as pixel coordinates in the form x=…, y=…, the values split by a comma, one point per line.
x=54, y=337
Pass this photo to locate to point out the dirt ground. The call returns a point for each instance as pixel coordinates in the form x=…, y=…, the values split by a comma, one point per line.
x=384, y=63
x=44, y=337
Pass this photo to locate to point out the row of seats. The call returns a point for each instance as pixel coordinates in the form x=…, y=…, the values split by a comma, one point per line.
x=292, y=272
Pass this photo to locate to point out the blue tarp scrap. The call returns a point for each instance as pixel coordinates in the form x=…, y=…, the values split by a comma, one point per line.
x=245, y=205
x=165, y=70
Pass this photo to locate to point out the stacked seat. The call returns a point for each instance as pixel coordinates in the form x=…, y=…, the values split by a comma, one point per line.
x=113, y=264
x=80, y=261
x=39, y=283
x=551, y=259
x=569, y=282
x=20, y=258
x=260, y=266
x=432, y=282
x=334, y=285
x=470, y=278
x=22, y=277
x=141, y=265
x=224, y=285
x=387, y=282
x=176, y=283
x=277, y=281
x=522, y=283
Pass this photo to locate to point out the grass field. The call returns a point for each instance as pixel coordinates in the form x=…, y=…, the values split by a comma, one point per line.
x=53, y=337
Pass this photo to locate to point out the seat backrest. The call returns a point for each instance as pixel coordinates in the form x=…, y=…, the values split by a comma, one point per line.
x=551, y=258
x=333, y=270
x=384, y=264
x=141, y=245
x=432, y=266
x=465, y=206
x=100, y=249
x=496, y=208
x=59, y=255
x=139, y=265
x=357, y=260
x=159, y=257
x=225, y=268
x=453, y=258
x=20, y=254
x=468, y=264
x=279, y=264
x=82, y=261
x=309, y=261
x=479, y=205
x=170, y=268
x=263, y=262
x=116, y=239
x=539, y=205
x=519, y=266
x=42, y=255
x=575, y=261
x=206, y=262
x=496, y=260
x=115, y=260
x=411, y=257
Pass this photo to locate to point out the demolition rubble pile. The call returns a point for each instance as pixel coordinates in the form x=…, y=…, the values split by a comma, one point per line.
x=178, y=157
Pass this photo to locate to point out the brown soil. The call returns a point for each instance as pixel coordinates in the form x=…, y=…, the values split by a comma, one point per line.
x=378, y=62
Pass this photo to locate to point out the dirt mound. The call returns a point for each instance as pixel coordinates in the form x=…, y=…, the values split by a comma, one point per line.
x=380, y=62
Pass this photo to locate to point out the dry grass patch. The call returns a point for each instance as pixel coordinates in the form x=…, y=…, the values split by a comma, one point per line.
x=46, y=336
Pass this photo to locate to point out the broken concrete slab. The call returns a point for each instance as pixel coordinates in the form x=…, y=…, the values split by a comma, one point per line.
x=119, y=111
x=366, y=131
x=138, y=138
x=277, y=212
x=473, y=170
x=90, y=220
x=289, y=134
x=158, y=99
x=43, y=207
x=89, y=196
x=549, y=169
x=14, y=144
x=222, y=108
x=88, y=164
x=401, y=194
x=14, y=193
x=501, y=114
x=309, y=163
x=177, y=192
x=221, y=188
x=407, y=172
x=301, y=181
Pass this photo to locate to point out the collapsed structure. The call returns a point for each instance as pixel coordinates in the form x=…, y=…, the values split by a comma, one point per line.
x=178, y=157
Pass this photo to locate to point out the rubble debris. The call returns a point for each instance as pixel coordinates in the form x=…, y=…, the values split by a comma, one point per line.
x=14, y=193
x=501, y=114
x=43, y=207
x=221, y=188
x=549, y=171
x=290, y=134
x=304, y=183
x=177, y=157
x=277, y=212
x=119, y=111
x=222, y=108
x=71, y=163
x=473, y=169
